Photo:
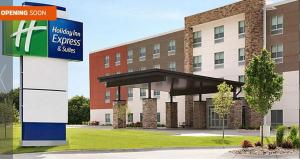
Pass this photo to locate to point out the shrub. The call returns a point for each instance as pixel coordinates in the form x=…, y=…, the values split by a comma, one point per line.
x=293, y=133
x=138, y=124
x=272, y=146
x=287, y=144
x=94, y=123
x=246, y=144
x=280, y=134
x=257, y=144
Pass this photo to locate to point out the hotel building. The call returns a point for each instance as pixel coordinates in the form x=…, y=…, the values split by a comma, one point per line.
x=217, y=43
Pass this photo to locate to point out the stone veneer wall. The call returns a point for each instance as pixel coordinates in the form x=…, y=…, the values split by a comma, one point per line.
x=171, y=115
x=254, y=17
x=119, y=114
x=189, y=110
x=253, y=10
x=199, y=116
x=149, y=113
x=235, y=116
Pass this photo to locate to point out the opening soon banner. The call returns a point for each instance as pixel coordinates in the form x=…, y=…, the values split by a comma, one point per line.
x=60, y=38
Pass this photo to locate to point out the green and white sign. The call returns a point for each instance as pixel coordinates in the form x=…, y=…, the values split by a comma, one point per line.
x=25, y=38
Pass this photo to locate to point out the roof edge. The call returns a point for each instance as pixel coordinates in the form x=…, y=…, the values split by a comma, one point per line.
x=138, y=40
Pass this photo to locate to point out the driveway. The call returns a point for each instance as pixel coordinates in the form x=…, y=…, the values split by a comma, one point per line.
x=154, y=154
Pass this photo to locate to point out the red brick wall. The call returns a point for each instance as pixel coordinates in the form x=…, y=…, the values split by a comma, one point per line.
x=97, y=69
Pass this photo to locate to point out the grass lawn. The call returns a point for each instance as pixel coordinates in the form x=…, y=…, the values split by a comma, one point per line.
x=96, y=139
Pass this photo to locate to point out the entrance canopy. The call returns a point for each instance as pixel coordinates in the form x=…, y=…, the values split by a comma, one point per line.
x=176, y=83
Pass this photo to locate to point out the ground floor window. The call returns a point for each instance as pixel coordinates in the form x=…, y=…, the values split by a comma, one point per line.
x=276, y=118
x=141, y=117
x=158, y=117
x=107, y=118
x=130, y=117
x=214, y=119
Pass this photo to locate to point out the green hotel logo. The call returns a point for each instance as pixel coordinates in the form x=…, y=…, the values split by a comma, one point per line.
x=25, y=38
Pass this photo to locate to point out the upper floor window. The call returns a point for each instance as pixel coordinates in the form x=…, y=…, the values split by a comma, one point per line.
x=241, y=56
x=107, y=96
x=197, y=63
x=197, y=39
x=241, y=29
x=142, y=68
x=142, y=53
x=157, y=66
x=129, y=56
x=156, y=51
x=277, y=53
x=106, y=61
x=219, y=34
x=277, y=25
x=219, y=60
x=117, y=59
x=172, y=66
x=172, y=47
x=130, y=70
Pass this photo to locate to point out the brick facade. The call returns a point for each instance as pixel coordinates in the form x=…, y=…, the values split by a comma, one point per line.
x=171, y=115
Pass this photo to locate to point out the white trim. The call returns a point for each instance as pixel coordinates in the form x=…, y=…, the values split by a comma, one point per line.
x=272, y=5
x=43, y=142
x=138, y=40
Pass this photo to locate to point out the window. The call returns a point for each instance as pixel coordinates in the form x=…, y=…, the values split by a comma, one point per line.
x=277, y=25
x=130, y=93
x=106, y=61
x=277, y=53
x=241, y=56
x=107, y=96
x=130, y=70
x=242, y=78
x=241, y=29
x=172, y=66
x=197, y=39
x=158, y=117
x=117, y=59
x=197, y=63
x=219, y=60
x=142, y=68
x=117, y=94
x=156, y=94
x=142, y=54
x=172, y=47
x=143, y=92
x=157, y=66
x=129, y=56
x=107, y=118
x=130, y=117
x=106, y=74
x=156, y=51
x=219, y=34
x=276, y=118
x=141, y=117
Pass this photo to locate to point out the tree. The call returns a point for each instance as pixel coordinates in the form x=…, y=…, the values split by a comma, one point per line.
x=223, y=101
x=79, y=110
x=263, y=86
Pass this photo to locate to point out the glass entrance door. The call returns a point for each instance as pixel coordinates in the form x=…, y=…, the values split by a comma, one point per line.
x=214, y=120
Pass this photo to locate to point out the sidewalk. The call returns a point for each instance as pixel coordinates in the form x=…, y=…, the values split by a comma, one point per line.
x=156, y=154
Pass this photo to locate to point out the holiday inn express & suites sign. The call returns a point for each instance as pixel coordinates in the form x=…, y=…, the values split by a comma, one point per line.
x=61, y=38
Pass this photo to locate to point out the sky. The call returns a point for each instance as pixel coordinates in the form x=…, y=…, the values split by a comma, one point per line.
x=111, y=22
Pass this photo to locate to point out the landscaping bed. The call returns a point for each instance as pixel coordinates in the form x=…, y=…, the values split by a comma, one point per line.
x=259, y=151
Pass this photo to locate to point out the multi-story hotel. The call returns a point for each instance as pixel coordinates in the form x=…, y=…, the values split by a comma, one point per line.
x=217, y=43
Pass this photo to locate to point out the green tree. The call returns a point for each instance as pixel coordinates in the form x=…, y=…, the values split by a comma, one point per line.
x=223, y=101
x=263, y=86
x=79, y=110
